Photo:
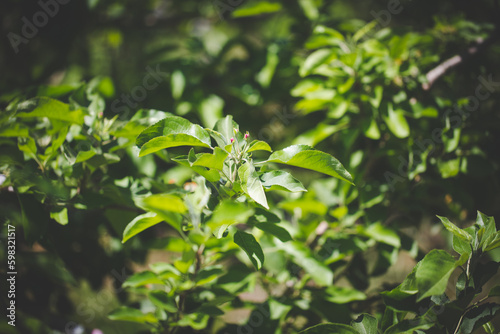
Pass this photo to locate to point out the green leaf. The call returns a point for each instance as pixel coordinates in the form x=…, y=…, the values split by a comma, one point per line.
x=310, y=8
x=257, y=8
x=84, y=155
x=434, y=272
x=248, y=243
x=14, y=130
x=461, y=246
x=396, y=122
x=487, y=224
x=251, y=185
x=478, y=316
x=141, y=279
x=219, y=138
x=370, y=129
x=306, y=206
x=139, y=224
x=211, y=110
x=177, y=82
x=161, y=299
x=314, y=60
x=302, y=256
x=258, y=145
x=340, y=295
x=365, y=324
x=172, y=131
x=214, y=161
x=27, y=145
x=60, y=216
x=50, y=108
x=276, y=230
x=133, y=315
x=494, y=292
x=492, y=242
x=225, y=128
x=307, y=157
x=330, y=329
x=380, y=233
x=164, y=202
x=227, y=213
x=211, y=175
x=168, y=207
x=455, y=230
x=409, y=326
x=280, y=180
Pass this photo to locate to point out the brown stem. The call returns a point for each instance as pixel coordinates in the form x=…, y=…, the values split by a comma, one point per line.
x=438, y=71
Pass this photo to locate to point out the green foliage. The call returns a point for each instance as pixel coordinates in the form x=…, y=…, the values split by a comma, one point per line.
x=135, y=220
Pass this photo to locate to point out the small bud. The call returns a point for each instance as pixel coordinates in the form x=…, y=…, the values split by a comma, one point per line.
x=235, y=130
x=246, y=135
x=232, y=140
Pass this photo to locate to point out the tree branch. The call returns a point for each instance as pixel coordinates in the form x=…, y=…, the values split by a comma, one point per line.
x=437, y=72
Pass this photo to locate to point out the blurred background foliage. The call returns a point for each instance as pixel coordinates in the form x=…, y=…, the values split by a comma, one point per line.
x=346, y=77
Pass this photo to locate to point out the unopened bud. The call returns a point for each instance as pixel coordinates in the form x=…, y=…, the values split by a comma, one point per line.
x=232, y=140
x=247, y=135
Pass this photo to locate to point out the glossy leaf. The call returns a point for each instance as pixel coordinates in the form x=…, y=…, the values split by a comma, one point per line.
x=248, y=243
x=251, y=184
x=307, y=157
x=434, y=272
x=214, y=161
x=258, y=145
x=139, y=224
x=225, y=128
x=172, y=131
x=365, y=324
x=454, y=229
x=280, y=180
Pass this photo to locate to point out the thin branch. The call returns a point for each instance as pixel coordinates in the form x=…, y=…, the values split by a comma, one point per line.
x=437, y=72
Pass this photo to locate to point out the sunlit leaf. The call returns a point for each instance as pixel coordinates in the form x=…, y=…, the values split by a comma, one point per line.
x=307, y=157
x=139, y=224
x=251, y=184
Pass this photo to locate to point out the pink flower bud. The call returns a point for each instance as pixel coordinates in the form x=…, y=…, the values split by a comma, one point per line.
x=232, y=140
x=247, y=135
